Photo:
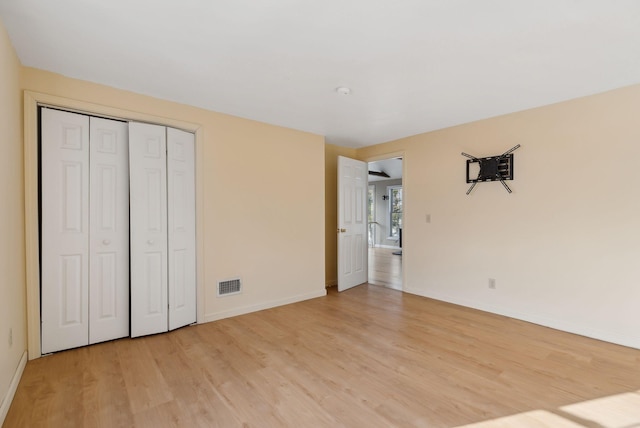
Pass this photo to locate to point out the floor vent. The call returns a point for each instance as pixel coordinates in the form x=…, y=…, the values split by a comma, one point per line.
x=229, y=286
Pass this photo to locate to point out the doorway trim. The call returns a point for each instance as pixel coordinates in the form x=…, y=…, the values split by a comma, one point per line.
x=389, y=155
x=32, y=100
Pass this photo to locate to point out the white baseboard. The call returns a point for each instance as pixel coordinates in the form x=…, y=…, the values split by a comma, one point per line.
x=539, y=319
x=214, y=316
x=13, y=387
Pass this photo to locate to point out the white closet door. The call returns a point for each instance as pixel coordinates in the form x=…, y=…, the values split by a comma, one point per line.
x=148, y=223
x=109, y=230
x=182, y=228
x=65, y=230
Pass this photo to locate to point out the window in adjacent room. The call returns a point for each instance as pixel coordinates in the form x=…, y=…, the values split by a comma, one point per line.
x=395, y=210
x=371, y=214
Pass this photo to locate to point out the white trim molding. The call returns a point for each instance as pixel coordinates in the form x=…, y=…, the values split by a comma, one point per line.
x=214, y=316
x=31, y=102
x=13, y=387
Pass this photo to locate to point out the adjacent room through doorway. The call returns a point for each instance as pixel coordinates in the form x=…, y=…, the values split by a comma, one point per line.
x=385, y=222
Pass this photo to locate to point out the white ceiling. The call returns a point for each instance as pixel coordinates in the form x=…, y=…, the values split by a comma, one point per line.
x=392, y=167
x=412, y=65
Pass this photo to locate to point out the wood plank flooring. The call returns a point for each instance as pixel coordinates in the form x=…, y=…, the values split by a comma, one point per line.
x=367, y=357
x=385, y=268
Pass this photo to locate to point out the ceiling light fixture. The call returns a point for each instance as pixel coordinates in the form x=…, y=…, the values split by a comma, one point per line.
x=343, y=90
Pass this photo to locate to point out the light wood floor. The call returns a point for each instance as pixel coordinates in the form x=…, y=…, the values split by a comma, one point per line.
x=367, y=357
x=385, y=268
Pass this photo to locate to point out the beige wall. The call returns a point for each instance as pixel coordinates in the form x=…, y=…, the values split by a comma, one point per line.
x=261, y=196
x=12, y=259
x=331, y=154
x=564, y=248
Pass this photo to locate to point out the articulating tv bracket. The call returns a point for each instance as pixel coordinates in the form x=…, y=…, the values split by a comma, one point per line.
x=492, y=168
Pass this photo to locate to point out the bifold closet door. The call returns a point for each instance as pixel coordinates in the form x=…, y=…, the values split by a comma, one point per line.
x=65, y=230
x=85, y=240
x=163, y=263
x=182, y=227
x=109, y=230
x=148, y=223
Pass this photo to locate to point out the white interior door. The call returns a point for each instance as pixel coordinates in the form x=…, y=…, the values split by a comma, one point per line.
x=182, y=227
x=65, y=230
x=148, y=223
x=352, y=223
x=109, y=230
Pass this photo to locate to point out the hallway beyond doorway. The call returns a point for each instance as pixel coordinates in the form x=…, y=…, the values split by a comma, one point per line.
x=385, y=269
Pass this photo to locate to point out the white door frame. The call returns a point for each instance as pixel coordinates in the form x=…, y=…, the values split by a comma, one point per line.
x=32, y=245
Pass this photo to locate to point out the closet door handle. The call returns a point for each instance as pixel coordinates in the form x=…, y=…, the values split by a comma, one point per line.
x=150, y=242
x=106, y=242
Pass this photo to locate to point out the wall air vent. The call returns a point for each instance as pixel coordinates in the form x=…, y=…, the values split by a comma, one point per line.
x=229, y=286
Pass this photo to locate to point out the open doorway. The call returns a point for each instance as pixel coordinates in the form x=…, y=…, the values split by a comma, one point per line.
x=385, y=220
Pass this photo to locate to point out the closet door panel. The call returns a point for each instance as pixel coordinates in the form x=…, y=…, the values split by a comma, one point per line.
x=148, y=225
x=109, y=230
x=182, y=228
x=65, y=230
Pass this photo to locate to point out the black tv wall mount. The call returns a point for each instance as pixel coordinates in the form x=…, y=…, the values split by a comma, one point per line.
x=492, y=168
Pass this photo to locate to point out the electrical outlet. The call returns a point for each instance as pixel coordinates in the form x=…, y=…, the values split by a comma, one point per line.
x=10, y=337
x=492, y=283
x=427, y=218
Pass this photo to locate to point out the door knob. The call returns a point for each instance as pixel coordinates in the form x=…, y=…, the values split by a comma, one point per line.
x=150, y=242
x=106, y=242
x=342, y=230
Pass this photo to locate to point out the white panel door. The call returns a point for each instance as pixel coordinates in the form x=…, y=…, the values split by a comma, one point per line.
x=352, y=223
x=109, y=230
x=65, y=230
x=148, y=223
x=182, y=228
